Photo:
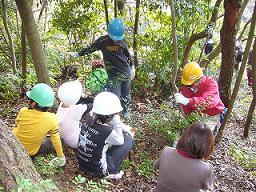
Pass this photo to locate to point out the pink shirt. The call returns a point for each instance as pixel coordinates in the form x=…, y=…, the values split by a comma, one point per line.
x=69, y=123
x=206, y=97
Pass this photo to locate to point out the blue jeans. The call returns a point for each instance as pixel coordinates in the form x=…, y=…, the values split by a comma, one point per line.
x=120, y=85
x=117, y=153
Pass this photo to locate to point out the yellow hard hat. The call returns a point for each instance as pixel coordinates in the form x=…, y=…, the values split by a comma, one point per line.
x=190, y=73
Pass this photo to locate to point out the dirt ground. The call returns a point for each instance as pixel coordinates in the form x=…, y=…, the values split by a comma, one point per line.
x=229, y=175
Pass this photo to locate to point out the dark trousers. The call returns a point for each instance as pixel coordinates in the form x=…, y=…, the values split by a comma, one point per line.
x=117, y=153
x=46, y=147
x=121, y=86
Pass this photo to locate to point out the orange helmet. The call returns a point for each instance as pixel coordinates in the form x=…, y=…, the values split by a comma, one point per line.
x=190, y=73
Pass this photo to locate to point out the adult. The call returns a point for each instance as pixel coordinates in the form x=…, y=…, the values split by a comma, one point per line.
x=118, y=61
x=200, y=93
x=104, y=140
x=184, y=168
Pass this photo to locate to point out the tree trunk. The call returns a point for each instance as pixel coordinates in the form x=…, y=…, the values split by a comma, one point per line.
x=135, y=32
x=120, y=6
x=241, y=14
x=253, y=103
x=216, y=51
x=200, y=35
x=244, y=28
x=23, y=60
x=106, y=11
x=33, y=40
x=115, y=8
x=174, y=48
x=10, y=44
x=228, y=38
x=204, y=62
x=14, y=161
x=240, y=75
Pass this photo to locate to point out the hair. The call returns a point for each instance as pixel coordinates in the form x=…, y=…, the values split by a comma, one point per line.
x=197, y=140
x=102, y=118
x=37, y=107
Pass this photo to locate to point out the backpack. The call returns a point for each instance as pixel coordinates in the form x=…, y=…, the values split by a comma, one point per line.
x=97, y=80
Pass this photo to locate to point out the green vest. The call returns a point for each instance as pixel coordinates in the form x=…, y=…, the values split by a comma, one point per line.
x=97, y=80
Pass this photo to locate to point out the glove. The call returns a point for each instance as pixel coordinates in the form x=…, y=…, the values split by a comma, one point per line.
x=73, y=55
x=115, y=120
x=132, y=72
x=58, y=161
x=179, y=98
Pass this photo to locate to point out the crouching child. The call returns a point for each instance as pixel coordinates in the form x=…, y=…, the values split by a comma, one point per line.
x=33, y=123
x=104, y=140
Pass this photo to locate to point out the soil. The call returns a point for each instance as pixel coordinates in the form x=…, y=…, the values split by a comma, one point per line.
x=229, y=174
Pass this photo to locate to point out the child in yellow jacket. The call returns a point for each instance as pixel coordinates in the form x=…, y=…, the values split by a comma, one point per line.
x=34, y=123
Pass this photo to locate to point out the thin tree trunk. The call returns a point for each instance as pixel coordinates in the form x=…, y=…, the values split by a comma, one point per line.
x=191, y=40
x=33, y=40
x=241, y=14
x=14, y=161
x=10, y=44
x=135, y=32
x=215, y=11
x=42, y=9
x=253, y=103
x=240, y=75
x=120, y=6
x=174, y=48
x=213, y=21
x=244, y=28
x=228, y=38
x=200, y=35
x=115, y=8
x=106, y=11
x=23, y=60
x=216, y=51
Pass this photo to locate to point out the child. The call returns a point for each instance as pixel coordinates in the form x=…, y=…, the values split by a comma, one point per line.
x=97, y=79
x=102, y=144
x=70, y=113
x=184, y=169
x=33, y=124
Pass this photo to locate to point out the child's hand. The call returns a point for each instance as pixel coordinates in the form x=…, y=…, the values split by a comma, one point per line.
x=58, y=161
x=115, y=120
x=133, y=131
x=73, y=55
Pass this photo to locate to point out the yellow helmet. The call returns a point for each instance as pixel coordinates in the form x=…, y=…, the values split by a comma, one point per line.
x=190, y=73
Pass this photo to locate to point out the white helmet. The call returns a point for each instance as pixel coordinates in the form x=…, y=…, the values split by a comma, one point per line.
x=106, y=103
x=70, y=92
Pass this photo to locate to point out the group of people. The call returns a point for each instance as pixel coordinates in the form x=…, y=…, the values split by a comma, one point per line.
x=93, y=126
x=101, y=141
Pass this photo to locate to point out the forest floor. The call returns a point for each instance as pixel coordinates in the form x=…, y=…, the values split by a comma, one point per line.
x=229, y=159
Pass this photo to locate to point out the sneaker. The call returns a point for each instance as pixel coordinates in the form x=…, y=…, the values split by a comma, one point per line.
x=115, y=176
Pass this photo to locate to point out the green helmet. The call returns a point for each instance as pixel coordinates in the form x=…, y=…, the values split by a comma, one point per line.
x=42, y=94
x=97, y=80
